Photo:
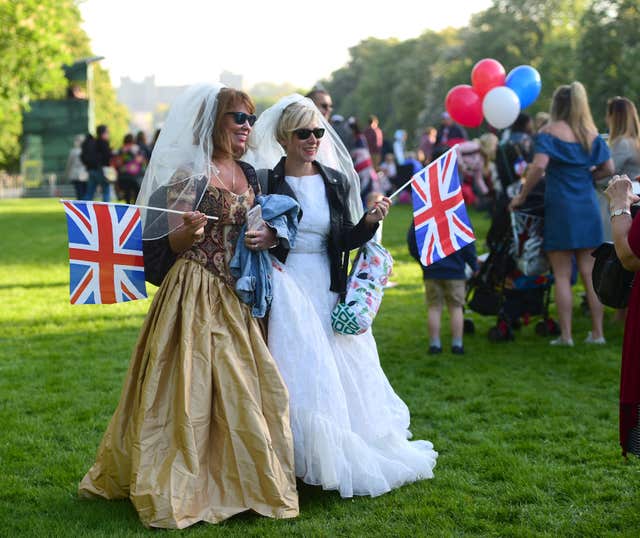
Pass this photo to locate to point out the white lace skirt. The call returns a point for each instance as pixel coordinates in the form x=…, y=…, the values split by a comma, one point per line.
x=350, y=428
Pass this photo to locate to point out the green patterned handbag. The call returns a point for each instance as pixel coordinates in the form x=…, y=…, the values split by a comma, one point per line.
x=365, y=287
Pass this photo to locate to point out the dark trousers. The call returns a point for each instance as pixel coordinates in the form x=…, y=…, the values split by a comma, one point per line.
x=129, y=188
x=80, y=188
x=96, y=178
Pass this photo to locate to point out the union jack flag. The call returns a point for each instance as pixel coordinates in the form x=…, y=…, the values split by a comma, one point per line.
x=439, y=214
x=105, y=253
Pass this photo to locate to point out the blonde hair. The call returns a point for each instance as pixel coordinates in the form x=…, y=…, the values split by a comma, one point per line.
x=622, y=119
x=488, y=147
x=296, y=116
x=570, y=104
x=542, y=119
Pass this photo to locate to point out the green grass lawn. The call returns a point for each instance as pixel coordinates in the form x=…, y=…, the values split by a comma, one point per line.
x=527, y=434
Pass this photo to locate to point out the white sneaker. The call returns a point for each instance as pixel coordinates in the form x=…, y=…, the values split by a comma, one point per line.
x=561, y=342
x=591, y=340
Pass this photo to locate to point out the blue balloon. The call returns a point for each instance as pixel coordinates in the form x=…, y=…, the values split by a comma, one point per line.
x=525, y=81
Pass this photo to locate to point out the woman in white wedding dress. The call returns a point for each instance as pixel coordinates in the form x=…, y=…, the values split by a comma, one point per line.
x=350, y=428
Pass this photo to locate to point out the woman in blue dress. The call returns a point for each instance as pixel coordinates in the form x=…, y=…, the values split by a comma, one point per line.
x=570, y=155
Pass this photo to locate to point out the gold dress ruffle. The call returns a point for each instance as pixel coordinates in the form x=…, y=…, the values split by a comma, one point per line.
x=202, y=428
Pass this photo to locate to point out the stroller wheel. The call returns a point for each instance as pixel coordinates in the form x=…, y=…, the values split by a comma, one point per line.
x=494, y=335
x=542, y=329
x=501, y=332
x=469, y=326
x=584, y=305
x=547, y=327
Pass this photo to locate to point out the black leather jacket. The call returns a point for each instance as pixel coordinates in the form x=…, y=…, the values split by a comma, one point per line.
x=344, y=234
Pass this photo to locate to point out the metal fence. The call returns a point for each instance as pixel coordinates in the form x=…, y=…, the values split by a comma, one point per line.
x=16, y=186
x=11, y=186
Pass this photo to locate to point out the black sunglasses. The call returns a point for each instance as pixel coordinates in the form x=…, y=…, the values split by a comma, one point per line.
x=326, y=106
x=241, y=117
x=303, y=134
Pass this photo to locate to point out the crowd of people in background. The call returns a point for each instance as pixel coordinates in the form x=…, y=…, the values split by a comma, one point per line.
x=493, y=167
x=487, y=164
x=94, y=166
x=384, y=163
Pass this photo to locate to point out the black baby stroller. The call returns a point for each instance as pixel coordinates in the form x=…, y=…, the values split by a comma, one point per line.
x=514, y=282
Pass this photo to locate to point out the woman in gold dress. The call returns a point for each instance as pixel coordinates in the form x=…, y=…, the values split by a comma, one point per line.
x=202, y=428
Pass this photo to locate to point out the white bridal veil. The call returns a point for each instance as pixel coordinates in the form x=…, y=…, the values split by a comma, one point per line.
x=180, y=165
x=265, y=151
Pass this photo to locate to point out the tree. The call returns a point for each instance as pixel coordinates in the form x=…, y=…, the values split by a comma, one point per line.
x=399, y=81
x=543, y=34
x=365, y=84
x=608, y=51
x=32, y=51
x=107, y=108
x=405, y=82
x=37, y=38
x=265, y=94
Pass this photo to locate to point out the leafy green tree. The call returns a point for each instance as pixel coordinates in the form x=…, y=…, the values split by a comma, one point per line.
x=402, y=82
x=37, y=37
x=33, y=49
x=107, y=108
x=447, y=67
x=365, y=84
x=405, y=82
x=265, y=94
x=542, y=34
x=608, y=52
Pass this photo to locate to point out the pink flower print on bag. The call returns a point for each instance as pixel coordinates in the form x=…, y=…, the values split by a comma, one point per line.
x=355, y=313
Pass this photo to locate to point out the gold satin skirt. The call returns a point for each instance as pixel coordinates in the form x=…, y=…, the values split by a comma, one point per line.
x=202, y=428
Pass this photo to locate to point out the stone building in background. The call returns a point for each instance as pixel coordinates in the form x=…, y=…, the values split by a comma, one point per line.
x=148, y=103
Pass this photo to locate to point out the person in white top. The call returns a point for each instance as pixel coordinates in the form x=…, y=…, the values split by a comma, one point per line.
x=624, y=141
x=350, y=428
x=75, y=171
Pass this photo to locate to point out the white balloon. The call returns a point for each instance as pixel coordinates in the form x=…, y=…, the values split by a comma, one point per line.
x=501, y=107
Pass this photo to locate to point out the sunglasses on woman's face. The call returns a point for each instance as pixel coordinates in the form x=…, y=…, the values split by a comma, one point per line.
x=303, y=134
x=241, y=117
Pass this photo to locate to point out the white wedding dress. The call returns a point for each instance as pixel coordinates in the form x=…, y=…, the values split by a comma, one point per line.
x=350, y=428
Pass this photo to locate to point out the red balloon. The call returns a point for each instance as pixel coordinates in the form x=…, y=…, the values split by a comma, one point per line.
x=464, y=105
x=486, y=75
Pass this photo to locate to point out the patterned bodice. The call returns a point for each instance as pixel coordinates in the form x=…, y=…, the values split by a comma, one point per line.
x=215, y=250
